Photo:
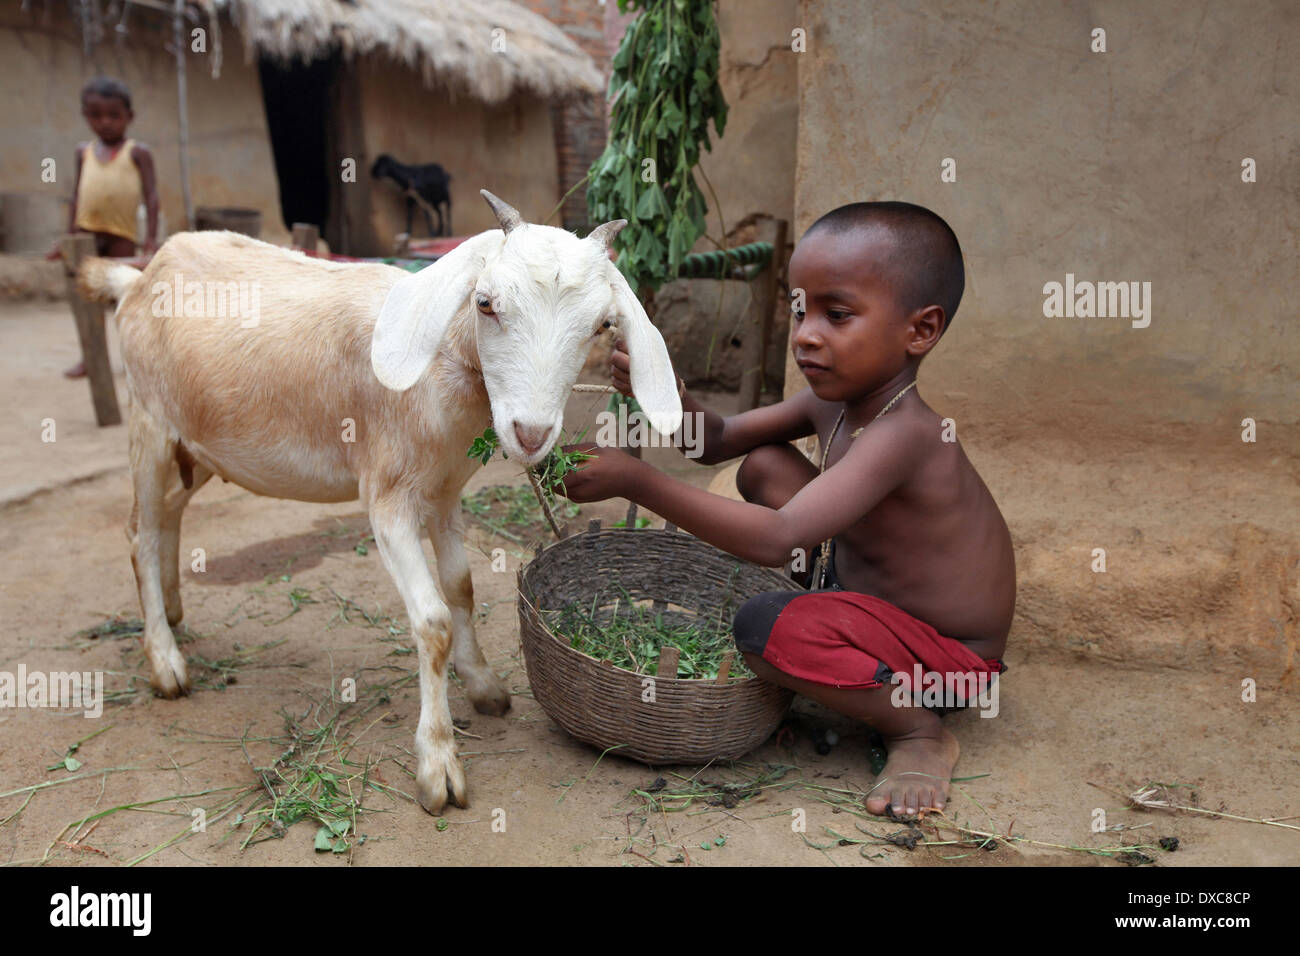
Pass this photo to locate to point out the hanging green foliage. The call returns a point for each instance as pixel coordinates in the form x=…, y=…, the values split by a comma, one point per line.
x=663, y=92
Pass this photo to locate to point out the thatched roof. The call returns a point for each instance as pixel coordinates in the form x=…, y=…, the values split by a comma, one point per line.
x=450, y=42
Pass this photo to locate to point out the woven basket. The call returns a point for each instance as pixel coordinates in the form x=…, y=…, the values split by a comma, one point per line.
x=689, y=721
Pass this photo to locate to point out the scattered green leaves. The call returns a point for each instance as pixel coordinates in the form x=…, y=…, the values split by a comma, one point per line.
x=512, y=512
x=71, y=763
x=297, y=598
x=333, y=836
x=219, y=673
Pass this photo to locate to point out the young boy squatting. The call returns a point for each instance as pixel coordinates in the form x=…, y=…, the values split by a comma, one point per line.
x=922, y=567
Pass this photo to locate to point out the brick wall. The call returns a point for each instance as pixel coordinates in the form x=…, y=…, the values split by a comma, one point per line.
x=580, y=123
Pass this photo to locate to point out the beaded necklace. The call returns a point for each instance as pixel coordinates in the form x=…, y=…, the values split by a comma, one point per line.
x=823, y=553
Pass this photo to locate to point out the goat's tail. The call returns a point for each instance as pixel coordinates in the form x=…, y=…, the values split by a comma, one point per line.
x=103, y=280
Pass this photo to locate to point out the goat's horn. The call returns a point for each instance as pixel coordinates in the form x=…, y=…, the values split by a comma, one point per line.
x=605, y=232
x=506, y=214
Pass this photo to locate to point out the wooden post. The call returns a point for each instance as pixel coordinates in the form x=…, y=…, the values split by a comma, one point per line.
x=724, y=669
x=753, y=358
x=183, y=108
x=305, y=236
x=669, y=657
x=90, y=330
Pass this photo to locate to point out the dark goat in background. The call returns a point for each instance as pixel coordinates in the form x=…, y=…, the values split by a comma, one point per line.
x=429, y=182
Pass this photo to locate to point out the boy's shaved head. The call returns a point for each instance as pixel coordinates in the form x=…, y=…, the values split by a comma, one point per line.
x=925, y=267
x=108, y=88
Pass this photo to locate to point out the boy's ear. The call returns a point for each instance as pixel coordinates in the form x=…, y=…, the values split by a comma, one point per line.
x=928, y=326
x=653, y=380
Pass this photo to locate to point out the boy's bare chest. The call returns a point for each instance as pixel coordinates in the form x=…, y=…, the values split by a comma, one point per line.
x=907, y=528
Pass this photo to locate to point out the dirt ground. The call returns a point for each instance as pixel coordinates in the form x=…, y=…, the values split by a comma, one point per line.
x=1114, y=680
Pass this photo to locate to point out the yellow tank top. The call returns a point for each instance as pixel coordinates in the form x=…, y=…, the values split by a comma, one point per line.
x=108, y=194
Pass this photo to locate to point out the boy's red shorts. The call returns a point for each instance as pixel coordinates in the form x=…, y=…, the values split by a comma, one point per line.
x=851, y=640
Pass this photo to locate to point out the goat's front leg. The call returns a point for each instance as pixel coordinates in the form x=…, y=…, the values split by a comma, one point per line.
x=446, y=530
x=397, y=533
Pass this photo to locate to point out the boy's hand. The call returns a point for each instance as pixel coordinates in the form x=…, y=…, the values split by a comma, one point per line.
x=620, y=371
x=620, y=368
x=608, y=474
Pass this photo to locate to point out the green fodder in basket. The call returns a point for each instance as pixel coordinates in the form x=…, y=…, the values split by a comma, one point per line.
x=630, y=636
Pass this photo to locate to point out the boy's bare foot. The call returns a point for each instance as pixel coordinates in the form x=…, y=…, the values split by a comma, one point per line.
x=76, y=371
x=916, y=774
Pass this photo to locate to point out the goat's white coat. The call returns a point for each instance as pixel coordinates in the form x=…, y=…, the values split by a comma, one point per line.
x=420, y=371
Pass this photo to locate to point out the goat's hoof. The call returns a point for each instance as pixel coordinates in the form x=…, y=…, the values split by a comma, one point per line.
x=170, y=685
x=489, y=697
x=439, y=778
x=170, y=680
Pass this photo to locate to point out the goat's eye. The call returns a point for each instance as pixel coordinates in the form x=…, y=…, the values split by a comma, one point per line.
x=484, y=304
x=603, y=326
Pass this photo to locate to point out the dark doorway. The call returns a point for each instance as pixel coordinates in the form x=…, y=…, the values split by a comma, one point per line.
x=298, y=98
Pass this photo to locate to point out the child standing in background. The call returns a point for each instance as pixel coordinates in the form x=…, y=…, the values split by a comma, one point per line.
x=113, y=175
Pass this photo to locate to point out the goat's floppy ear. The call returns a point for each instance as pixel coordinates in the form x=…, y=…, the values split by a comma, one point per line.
x=419, y=308
x=653, y=380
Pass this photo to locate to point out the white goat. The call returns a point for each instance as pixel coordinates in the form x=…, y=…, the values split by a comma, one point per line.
x=361, y=380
